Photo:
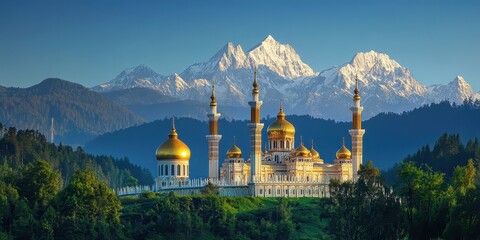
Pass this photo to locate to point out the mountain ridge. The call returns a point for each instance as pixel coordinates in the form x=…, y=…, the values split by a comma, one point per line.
x=79, y=113
x=386, y=86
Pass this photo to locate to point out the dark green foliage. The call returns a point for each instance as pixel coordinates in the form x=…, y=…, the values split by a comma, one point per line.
x=39, y=183
x=215, y=217
x=23, y=221
x=435, y=206
x=365, y=209
x=87, y=208
x=19, y=149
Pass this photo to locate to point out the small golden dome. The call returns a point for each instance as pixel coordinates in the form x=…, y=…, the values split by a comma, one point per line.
x=173, y=148
x=234, y=152
x=281, y=127
x=302, y=151
x=343, y=152
x=314, y=152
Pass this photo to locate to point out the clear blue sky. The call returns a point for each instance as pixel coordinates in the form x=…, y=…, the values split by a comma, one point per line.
x=90, y=42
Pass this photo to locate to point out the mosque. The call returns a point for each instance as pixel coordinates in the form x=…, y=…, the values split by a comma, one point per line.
x=283, y=170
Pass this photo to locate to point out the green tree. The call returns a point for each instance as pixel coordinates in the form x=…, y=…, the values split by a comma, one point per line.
x=368, y=198
x=39, y=183
x=23, y=221
x=85, y=203
x=464, y=177
x=427, y=200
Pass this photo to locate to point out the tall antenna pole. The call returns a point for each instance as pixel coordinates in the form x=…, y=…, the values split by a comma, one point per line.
x=52, y=132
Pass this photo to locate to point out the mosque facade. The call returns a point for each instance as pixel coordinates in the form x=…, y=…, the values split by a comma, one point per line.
x=282, y=169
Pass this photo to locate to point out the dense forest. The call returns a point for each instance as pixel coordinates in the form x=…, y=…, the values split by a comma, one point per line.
x=19, y=149
x=388, y=138
x=80, y=114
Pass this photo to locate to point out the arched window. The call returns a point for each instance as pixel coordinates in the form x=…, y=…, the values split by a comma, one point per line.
x=166, y=170
x=178, y=170
x=161, y=170
x=288, y=144
x=184, y=172
x=276, y=158
x=270, y=145
x=173, y=170
x=282, y=144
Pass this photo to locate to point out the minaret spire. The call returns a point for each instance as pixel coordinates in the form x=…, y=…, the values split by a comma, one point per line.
x=213, y=137
x=255, y=135
x=255, y=83
x=356, y=132
x=213, y=97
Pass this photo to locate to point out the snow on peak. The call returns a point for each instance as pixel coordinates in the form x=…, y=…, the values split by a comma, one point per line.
x=368, y=60
x=140, y=76
x=462, y=87
x=456, y=91
x=280, y=58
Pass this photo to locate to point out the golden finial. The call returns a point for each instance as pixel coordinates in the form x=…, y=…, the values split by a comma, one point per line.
x=312, y=143
x=173, y=133
x=301, y=141
x=356, y=97
x=234, y=141
x=214, y=99
x=255, y=83
x=281, y=114
x=343, y=141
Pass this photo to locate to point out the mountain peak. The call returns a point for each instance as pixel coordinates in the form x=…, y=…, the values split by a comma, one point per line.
x=371, y=59
x=461, y=85
x=459, y=79
x=269, y=39
x=280, y=58
x=140, y=71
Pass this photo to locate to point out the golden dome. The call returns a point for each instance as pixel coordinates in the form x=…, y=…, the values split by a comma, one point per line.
x=314, y=152
x=302, y=151
x=234, y=151
x=173, y=148
x=281, y=126
x=343, y=152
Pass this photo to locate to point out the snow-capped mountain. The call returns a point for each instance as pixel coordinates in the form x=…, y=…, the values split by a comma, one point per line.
x=137, y=77
x=456, y=91
x=385, y=85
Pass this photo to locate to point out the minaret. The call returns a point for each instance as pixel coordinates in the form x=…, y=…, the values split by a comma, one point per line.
x=213, y=138
x=255, y=132
x=356, y=132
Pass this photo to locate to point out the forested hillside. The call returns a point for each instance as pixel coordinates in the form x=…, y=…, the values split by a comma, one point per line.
x=388, y=138
x=79, y=113
x=20, y=148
